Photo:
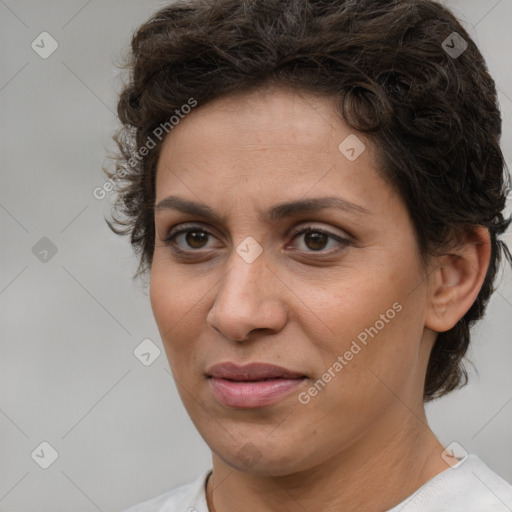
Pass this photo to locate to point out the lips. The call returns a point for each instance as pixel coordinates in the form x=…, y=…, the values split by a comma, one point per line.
x=251, y=372
x=252, y=385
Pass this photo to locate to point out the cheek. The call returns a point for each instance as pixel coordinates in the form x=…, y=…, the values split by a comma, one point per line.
x=162, y=294
x=175, y=306
x=351, y=303
x=374, y=322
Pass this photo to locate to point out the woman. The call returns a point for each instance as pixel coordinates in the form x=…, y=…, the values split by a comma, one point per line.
x=316, y=192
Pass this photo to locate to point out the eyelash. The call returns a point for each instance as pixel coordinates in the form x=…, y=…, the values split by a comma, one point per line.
x=343, y=242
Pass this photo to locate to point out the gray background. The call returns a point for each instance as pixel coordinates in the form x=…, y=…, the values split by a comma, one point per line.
x=68, y=374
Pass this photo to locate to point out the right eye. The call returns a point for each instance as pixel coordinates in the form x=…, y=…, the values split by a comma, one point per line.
x=190, y=239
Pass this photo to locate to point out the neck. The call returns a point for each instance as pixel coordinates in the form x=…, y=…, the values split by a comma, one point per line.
x=375, y=473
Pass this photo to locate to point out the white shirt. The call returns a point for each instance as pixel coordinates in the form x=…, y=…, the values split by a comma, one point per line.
x=471, y=486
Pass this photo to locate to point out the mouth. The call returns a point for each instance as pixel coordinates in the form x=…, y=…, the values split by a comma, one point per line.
x=252, y=385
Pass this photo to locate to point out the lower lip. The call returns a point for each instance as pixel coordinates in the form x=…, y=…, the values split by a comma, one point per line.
x=247, y=395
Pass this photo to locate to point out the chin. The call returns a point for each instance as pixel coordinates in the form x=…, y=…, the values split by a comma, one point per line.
x=260, y=456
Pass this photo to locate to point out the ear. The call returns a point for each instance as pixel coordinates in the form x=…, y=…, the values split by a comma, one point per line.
x=456, y=279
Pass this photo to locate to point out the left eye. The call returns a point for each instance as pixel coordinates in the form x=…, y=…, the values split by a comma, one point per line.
x=315, y=239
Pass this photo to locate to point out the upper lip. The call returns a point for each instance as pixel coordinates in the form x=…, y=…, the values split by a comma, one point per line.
x=252, y=371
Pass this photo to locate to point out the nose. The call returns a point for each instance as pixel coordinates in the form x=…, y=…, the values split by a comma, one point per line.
x=249, y=298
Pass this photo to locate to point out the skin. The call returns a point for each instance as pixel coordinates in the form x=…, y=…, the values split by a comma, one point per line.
x=363, y=442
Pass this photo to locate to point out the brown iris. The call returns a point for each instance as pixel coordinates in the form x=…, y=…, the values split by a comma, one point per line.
x=315, y=241
x=196, y=238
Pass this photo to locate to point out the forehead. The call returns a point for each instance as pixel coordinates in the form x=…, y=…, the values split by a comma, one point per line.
x=268, y=146
x=264, y=116
x=272, y=124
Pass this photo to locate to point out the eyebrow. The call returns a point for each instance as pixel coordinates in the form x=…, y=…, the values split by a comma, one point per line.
x=274, y=213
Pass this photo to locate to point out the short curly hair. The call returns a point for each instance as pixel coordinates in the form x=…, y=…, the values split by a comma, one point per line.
x=431, y=113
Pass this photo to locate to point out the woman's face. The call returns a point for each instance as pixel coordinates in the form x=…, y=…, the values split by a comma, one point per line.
x=335, y=295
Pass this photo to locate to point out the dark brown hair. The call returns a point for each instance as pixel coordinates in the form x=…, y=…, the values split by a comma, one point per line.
x=432, y=114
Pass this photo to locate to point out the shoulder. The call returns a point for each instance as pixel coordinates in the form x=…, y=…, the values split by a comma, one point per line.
x=190, y=497
x=470, y=486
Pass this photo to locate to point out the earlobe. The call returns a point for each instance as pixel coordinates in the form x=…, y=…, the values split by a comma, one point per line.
x=457, y=279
